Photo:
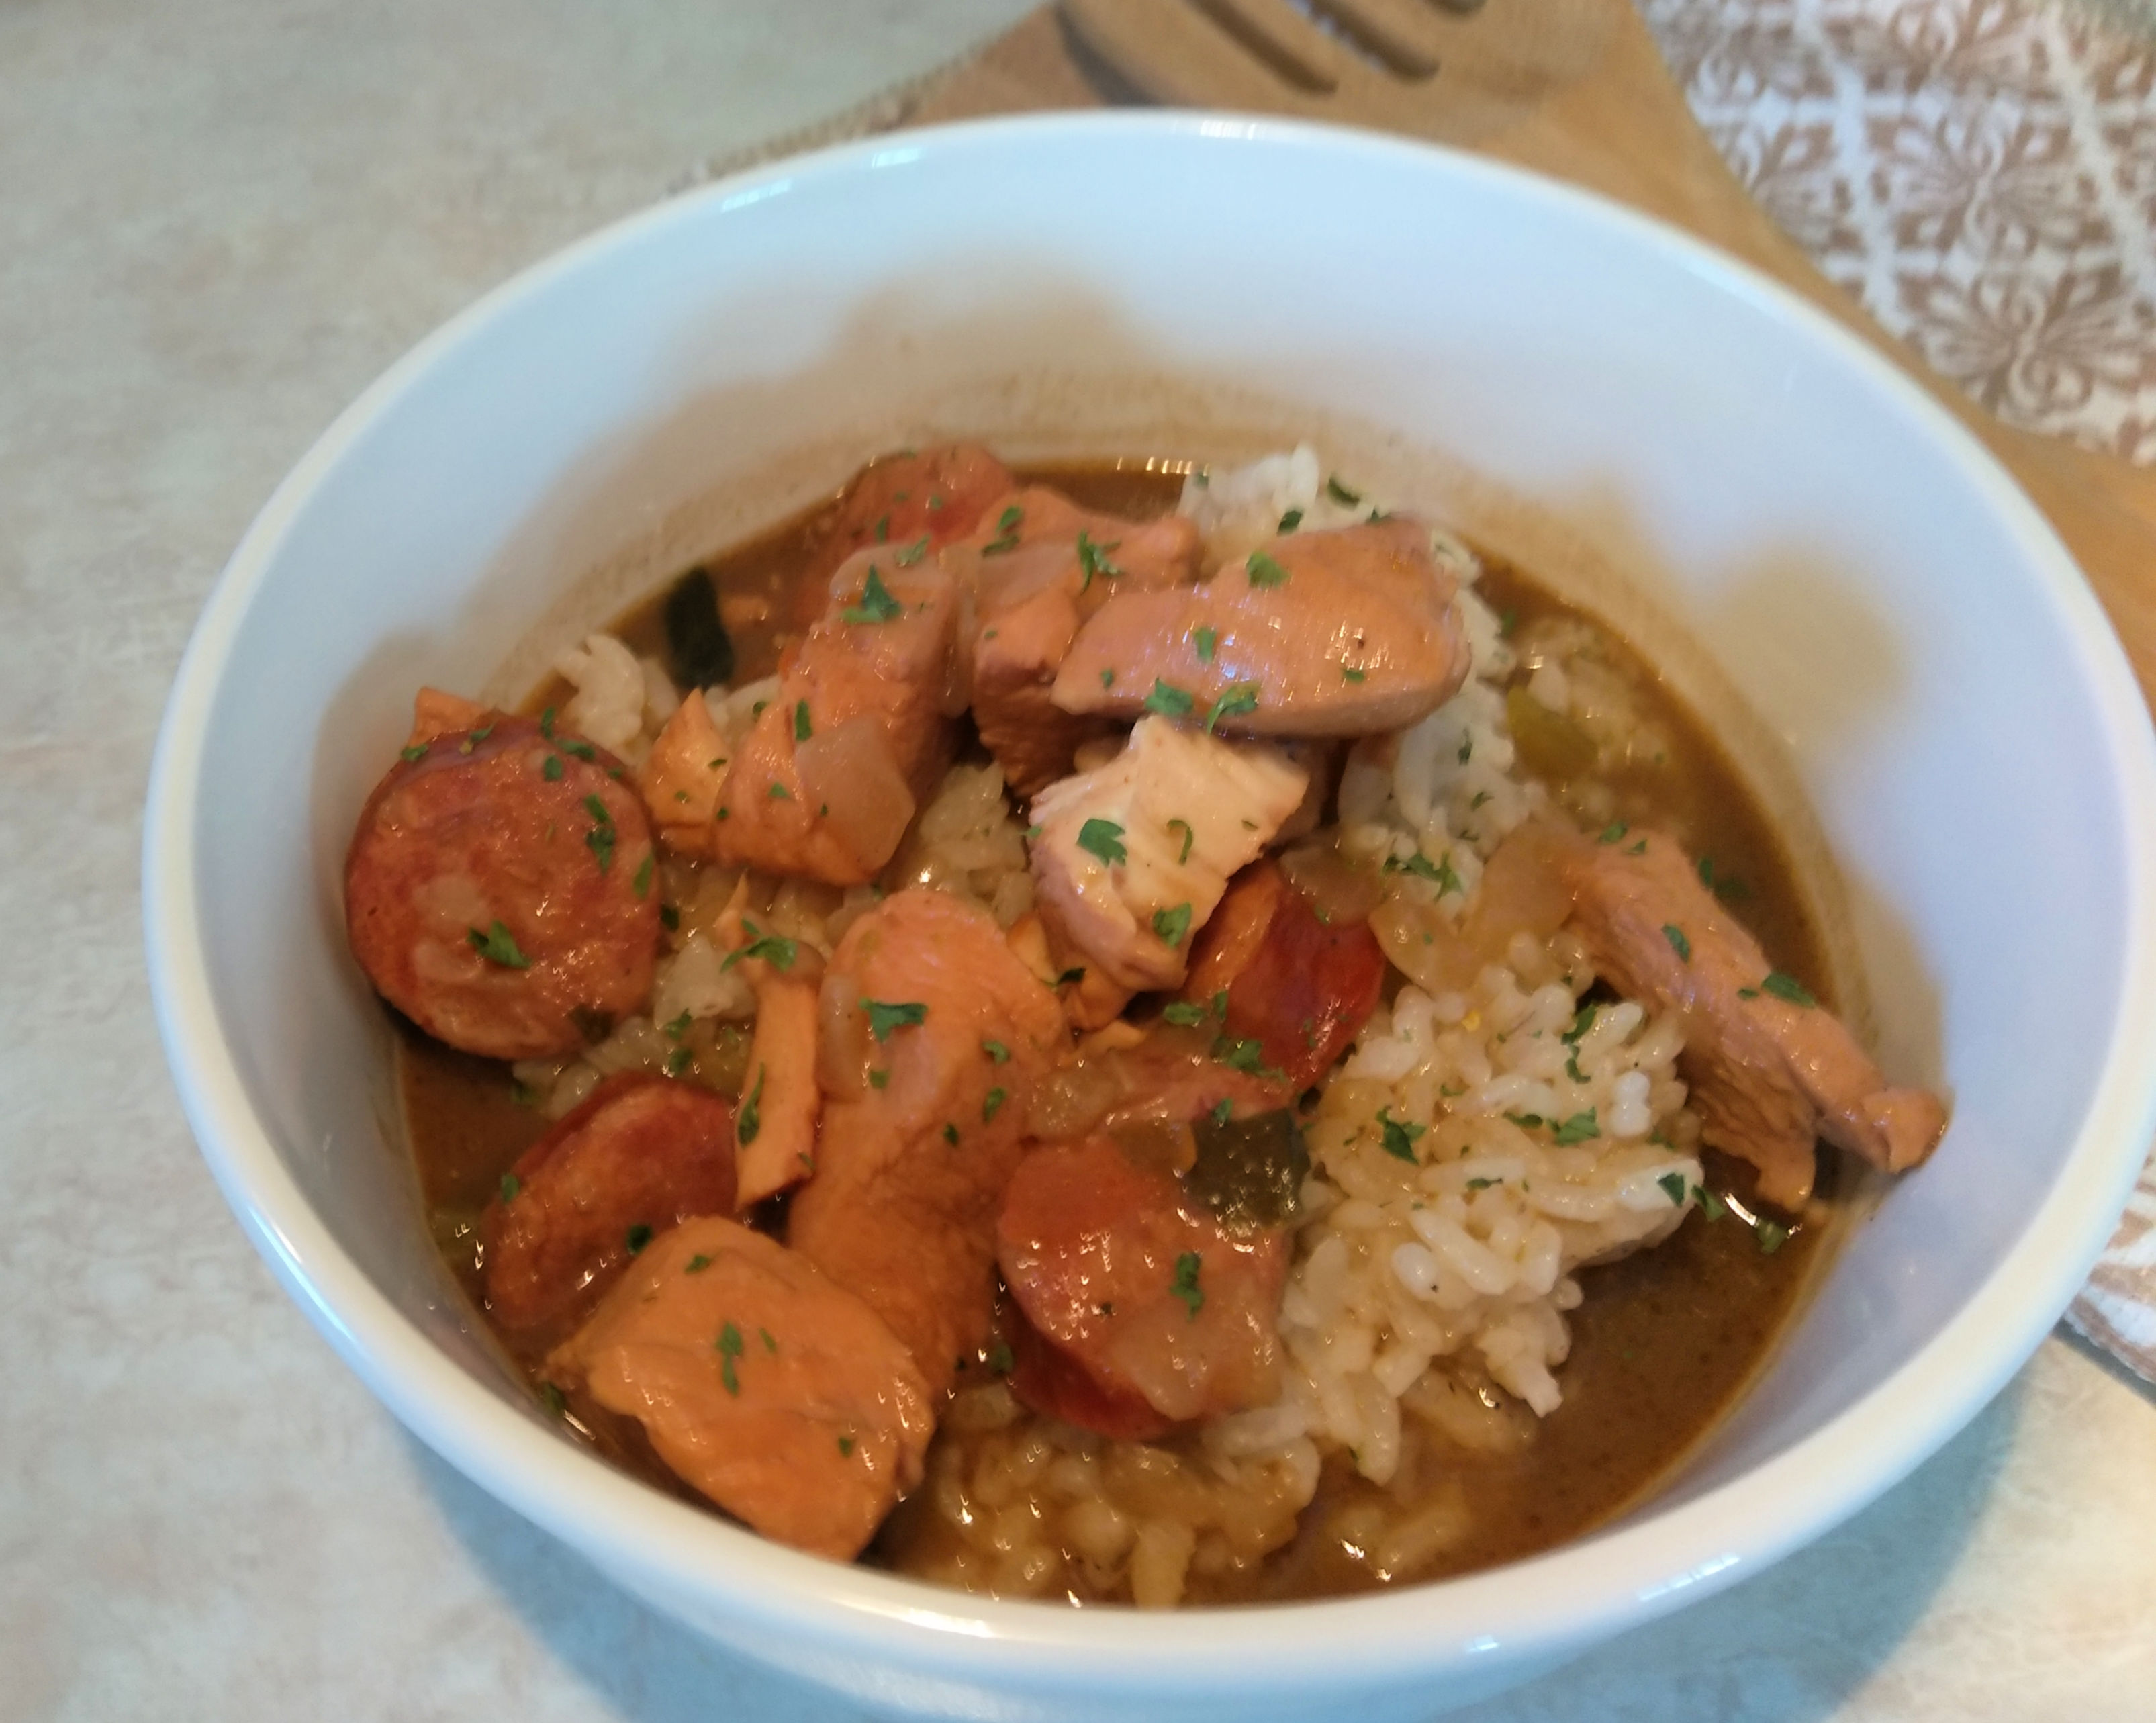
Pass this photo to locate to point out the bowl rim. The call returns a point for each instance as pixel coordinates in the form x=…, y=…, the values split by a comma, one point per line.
x=1547, y=1603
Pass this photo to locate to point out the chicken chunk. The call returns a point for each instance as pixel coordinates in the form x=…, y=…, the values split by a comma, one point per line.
x=775, y=1126
x=1771, y=1069
x=1035, y=581
x=933, y=1035
x=1346, y=632
x=680, y=778
x=778, y=1395
x=1132, y=858
x=825, y=782
x=933, y=494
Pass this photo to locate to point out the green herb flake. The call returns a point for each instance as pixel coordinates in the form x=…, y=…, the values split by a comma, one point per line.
x=845, y=1448
x=991, y=1104
x=1262, y=570
x=951, y=1134
x=1182, y=1014
x=642, y=883
x=639, y=1235
x=1579, y=1128
x=1290, y=521
x=1771, y=1237
x=1206, y=641
x=510, y=1185
x=1071, y=976
x=696, y=1264
x=669, y=917
x=1673, y=1186
x=679, y=1061
x=497, y=947
x=999, y=1358
x=883, y=1018
x=1107, y=678
x=997, y=1051
x=1341, y=494
x=802, y=729
x=1103, y=837
x=779, y=793
x=678, y=1027
x=1712, y=1204
x=418, y=750
x=1241, y=1054
x=1527, y=1121
x=553, y=1399
x=1093, y=559
x=877, y=605
x=1638, y=848
x=1221, y=1110
x=1399, y=1136
x=1242, y=697
x=1189, y=837
x=1185, y=1286
x=546, y=724
x=1169, y=700
x=748, y=1123
x=1171, y=925
x=778, y=951
x=579, y=750
x=550, y=768
x=913, y=552
x=1583, y=1021
x=730, y=1348
x=1613, y=832
x=1678, y=943
x=1788, y=987
x=879, y=1078
x=1351, y=675
x=600, y=841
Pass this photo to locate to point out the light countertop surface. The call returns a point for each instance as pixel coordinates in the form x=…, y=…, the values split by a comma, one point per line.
x=218, y=222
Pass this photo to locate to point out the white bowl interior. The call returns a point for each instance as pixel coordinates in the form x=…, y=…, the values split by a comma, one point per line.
x=1895, y=613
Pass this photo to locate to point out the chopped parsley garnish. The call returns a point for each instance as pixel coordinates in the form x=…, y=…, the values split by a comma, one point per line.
x=991, y=1104
x=1582, y=1022
x=748, y=1123
x=1104, y=839
x=913, y=552
x=1579, y=1128
x=641, y=884
x=546, y=724
x=1185, y=1285
x=730, y=1348
x=696, y=1264
x=802, y=729
x=1071, y=976
x=1706, y=871
x=550, y=768
x=1290, y=520
x=1678, y=943
x=770, y=1344
x=1006, y=531
x=639, y=1235
x=476, y=738
x=1242, y=697
x=1182, y=1014
x=496, y=946
x=1240, y=1054
x=1262, y=570
x=1341, y=494
x=997, y=1051
x=877, y=605
x=951, y=1134
x=883, y=529
x=1673, y=1187
x=1169, y=700
x=1093, y=559
x=1221, y=1110
x=679, y=1060
x=779, y=793
x=845, y=1447
x=552, y=1398
x=1171, y=925
x=579, y=750
x=1348, y=674
x=1612, y=832
x=1466, y=748
x=999, y=1358
x=1107, y=678
x=777, y=951
x=1482, y=1184
x=678, y=1027
x=1772, y=1236
x=1399, y=1136
x=1204, y=640
x=669, y=917
x=1527, y=1121
x=1439, y=873
x=522, y=1093
x=418, y=750
x=1788, y=987
x=600, y=839
x=1189, y=837
x=510, y=1185
x=1219, y=1004
x=1713, y=1204
x=884, y=1018
x=879, y=1078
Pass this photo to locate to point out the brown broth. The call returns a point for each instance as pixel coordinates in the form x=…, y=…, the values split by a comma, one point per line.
x=1664, y=1341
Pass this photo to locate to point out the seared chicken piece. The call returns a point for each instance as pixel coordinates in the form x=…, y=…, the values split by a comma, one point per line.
x=1345, y=632
x=777, y=1394
x=1771, y=1069
x=827, y=779
x=933, y=1035
x=1132, y=858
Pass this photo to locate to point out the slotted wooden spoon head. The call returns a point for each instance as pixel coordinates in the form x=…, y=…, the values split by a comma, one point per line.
x=1425, y=67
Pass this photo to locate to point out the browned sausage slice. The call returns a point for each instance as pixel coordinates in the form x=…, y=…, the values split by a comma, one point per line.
x=641, y=1154
x=777, y=1393
x=498, y=890
x=1141, y=1287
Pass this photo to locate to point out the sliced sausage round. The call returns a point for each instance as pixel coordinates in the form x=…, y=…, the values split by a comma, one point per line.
x=641, y=1154
x=499, y=890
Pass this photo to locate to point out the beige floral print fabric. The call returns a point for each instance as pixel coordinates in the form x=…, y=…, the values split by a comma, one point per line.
x=1980, y=174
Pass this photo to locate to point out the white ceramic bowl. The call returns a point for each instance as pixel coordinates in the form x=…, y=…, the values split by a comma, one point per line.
x=1898, y=614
